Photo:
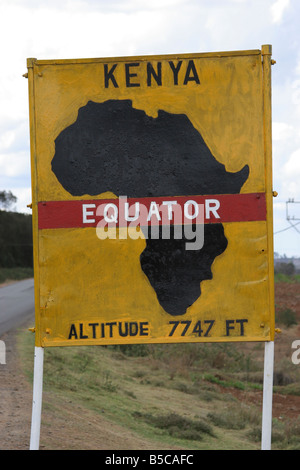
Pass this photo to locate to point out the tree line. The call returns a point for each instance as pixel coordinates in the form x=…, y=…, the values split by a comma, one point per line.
x=15, y=235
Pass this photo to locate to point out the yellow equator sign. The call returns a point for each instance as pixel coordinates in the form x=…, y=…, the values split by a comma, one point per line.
x=152, y=198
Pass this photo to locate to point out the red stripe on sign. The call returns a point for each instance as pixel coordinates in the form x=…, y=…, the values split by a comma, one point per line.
x=123, y=211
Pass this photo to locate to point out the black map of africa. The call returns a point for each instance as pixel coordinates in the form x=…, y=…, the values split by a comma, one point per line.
x=115, y=147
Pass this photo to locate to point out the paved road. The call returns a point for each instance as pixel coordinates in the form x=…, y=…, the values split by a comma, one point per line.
x=16, y=304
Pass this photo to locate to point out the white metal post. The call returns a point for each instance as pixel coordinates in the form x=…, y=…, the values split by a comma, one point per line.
x=37, y=398
x=267, y=396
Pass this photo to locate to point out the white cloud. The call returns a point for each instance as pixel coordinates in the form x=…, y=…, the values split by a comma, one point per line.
x=15, y=164
x=291, y=189
x=282, y=131
x=278, y=8
x=290, y=177
x=76, y=32
x=6, y=139
x=292, y=166
x=23, y=199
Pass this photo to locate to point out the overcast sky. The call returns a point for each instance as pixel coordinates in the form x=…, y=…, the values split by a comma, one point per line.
x=58, y=29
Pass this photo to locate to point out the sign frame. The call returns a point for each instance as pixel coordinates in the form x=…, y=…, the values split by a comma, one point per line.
x=35, y=66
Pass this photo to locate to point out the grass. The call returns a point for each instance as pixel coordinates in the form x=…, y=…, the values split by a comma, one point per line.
x=178, y=426
x=290, y=278
x=229, y=383
x=237, y=416
x=165, y=393
x=285, y=316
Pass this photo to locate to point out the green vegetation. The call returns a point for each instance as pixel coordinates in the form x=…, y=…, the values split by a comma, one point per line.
x=291, y=278
x=16, y=253
x=15, y=240
x=286, y=272
x=236, y=416
x=175, y=395
x=15, y=274
x=178, y=426
x=285, y=316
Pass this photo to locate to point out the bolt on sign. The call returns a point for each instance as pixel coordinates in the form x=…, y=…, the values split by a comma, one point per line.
x=152, y=198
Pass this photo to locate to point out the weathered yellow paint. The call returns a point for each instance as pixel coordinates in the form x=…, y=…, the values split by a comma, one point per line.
x=80, y=280
x=33, y=160
x=267, y=62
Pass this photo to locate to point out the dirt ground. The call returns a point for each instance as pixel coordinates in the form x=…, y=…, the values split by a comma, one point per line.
x=78, y=428
x=64, y=425
x=288, y=295
x=16, y=395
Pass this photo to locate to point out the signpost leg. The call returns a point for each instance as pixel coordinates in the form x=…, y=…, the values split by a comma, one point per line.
x=267, y=396
x=37, y=398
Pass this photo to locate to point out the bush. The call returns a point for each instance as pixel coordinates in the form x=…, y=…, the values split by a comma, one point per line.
x=237, y=417
x=132, y=350
x=286, y=316
x=285, y=268
x=282, y=378
x=177, y=426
